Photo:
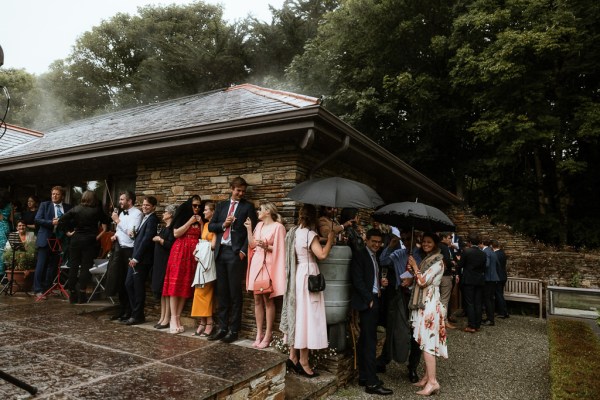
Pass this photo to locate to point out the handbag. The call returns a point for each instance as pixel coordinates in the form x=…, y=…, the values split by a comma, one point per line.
x=316, y=283
x=263, y=286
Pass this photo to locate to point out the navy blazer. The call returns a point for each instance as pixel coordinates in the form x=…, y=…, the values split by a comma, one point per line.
x=501, y=255
x=143, y=246
x=43, y=219
x=363, y=275
x=491, y=266
x=239, y=234
x=472, y=264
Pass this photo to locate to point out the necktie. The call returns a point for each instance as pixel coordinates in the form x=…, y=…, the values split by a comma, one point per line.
x=226, y=233
x=59, y=212
x=376, y=266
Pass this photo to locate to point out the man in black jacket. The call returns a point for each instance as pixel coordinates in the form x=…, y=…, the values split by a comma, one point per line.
x=502, y=276
x=472, y=266
x=141, y=262
x=366, y=295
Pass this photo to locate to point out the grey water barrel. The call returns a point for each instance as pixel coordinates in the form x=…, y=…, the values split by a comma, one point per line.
x=336, y=270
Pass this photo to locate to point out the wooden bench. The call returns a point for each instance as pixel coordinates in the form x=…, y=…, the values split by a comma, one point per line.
x=524, y=290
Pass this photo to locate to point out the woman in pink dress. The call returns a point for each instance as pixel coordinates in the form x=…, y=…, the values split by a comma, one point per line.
x=311, y=326
x=268, y=245
x=181, y=266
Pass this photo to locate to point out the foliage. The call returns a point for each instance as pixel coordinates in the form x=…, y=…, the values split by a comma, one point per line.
x=315, y=357
x=24, y=260
x=574, y=360
x=20, y=84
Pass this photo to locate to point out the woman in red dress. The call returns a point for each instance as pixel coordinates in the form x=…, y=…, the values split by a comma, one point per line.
x=181, y=266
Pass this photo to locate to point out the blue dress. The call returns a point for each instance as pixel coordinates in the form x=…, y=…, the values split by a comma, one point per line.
x=4, y=231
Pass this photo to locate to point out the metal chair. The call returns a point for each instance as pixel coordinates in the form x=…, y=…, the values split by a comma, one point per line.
x=98, y=272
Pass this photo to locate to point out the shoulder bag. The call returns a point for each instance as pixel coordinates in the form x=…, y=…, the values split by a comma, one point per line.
x=316, y=283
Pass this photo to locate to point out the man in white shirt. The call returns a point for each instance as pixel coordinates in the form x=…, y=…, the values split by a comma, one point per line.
x=127, y=222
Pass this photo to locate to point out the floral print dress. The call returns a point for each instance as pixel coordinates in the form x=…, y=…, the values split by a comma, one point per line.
x=429, y=328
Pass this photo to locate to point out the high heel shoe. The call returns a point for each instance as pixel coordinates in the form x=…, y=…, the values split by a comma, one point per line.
x=291, y=367
x=264, y=343
x=258, y=340
x=421, y=383
x=200, y=330
x=429, y=389
x=205, y=333
x=306, y=374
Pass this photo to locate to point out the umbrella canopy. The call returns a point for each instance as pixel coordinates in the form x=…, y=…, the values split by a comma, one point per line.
x=411, y=215
x=336, y=192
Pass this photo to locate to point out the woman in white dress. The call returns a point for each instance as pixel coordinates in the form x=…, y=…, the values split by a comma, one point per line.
x=310, y=326
x=427, y=316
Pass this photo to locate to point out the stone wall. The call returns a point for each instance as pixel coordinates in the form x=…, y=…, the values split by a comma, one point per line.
x=529, y=259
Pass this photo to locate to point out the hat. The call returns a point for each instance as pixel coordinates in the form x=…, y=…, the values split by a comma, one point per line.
x=395, y=231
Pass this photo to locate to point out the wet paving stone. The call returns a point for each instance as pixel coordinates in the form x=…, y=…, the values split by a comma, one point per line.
x=235, y=363
x=157, y=381
x=14, y=336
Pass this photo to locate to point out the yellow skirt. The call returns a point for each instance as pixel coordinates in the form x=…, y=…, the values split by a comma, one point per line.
x=202, y=306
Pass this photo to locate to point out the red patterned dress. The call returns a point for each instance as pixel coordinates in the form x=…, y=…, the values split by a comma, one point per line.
x=181, y=266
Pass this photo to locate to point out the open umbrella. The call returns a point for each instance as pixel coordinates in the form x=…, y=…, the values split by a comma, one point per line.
x=408, y=215
x=336, y=192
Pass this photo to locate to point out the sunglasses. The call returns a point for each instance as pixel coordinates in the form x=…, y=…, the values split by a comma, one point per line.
x=195, y=205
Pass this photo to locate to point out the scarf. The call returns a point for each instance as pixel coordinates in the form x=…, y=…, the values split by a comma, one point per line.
x=416, y=299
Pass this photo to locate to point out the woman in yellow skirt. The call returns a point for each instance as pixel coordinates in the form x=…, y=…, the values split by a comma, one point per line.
x=204, y=281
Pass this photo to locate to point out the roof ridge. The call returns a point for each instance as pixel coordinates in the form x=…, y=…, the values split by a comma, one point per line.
x=266, y=92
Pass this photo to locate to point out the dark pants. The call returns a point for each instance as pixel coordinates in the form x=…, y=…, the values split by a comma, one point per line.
x=230, y=271
x=415, y=355
x=45, y=269
x=82, y=251
x=472, y=296
x=135, y=283
x=500, y=301
x=489, y=299
x=116, y=275
x=367, y=344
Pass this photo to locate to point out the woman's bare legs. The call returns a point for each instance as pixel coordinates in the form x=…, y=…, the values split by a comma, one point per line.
x=270, y=315
x=259, y=314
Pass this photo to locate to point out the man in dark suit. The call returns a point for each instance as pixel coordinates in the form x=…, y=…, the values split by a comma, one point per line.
x=491, y=280
x=47, y=219
x=230, y=257
x=472, y=279
x=141, y=262
x=502, y=277
x=366, y=297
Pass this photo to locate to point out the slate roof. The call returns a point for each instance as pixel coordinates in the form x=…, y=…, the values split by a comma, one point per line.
x=15, y=137
x=236, y=102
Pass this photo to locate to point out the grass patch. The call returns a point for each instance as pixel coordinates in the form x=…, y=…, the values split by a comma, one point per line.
x=574, y=360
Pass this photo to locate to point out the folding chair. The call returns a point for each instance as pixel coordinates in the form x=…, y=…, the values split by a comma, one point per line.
x=98, y=272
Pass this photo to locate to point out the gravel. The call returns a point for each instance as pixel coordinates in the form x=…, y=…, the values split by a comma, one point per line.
x=506, y=361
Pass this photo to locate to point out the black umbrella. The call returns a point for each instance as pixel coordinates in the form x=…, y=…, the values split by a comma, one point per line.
x=335, y=192
x=408, y=215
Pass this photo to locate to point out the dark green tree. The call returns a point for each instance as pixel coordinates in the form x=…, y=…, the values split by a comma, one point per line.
x=20, y=85
x=529, y=69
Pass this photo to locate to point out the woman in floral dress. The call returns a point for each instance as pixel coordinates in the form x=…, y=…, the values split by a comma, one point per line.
x=427, y=317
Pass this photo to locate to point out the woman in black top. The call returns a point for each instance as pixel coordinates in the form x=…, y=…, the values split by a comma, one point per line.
x=84, y=224
x=162, y=247
x=29, y=212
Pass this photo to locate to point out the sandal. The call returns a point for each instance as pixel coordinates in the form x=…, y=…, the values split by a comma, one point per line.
x=258, y=341
x=205, y=333
x=264, y=343
x=200, y=332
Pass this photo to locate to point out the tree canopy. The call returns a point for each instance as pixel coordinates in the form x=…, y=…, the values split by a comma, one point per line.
x=496, y=100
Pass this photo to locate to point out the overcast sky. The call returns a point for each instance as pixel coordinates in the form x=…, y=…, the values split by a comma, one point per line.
x=34, y=33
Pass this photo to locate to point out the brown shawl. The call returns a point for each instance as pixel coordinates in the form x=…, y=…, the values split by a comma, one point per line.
x=416, y=299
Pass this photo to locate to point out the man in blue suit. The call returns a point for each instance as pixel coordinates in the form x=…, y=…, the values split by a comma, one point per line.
x=491, y=280
x=141, y=262
x=47, y=219
x=231, y=250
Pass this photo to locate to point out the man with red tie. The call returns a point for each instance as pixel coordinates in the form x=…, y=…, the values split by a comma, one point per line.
x=231, y=250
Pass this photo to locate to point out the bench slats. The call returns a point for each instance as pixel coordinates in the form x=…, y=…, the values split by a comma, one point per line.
x=524, y=290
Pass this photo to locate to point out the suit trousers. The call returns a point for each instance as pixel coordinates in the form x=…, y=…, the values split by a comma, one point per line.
x=230, y=272
x=367, y=343
x=45, y=269
x=489, y=300
x=500, y=301
x=135, y=284
x=117, y=273
x=472, y=295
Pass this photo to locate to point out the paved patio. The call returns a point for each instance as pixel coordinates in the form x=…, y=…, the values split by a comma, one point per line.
x=75, y=352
